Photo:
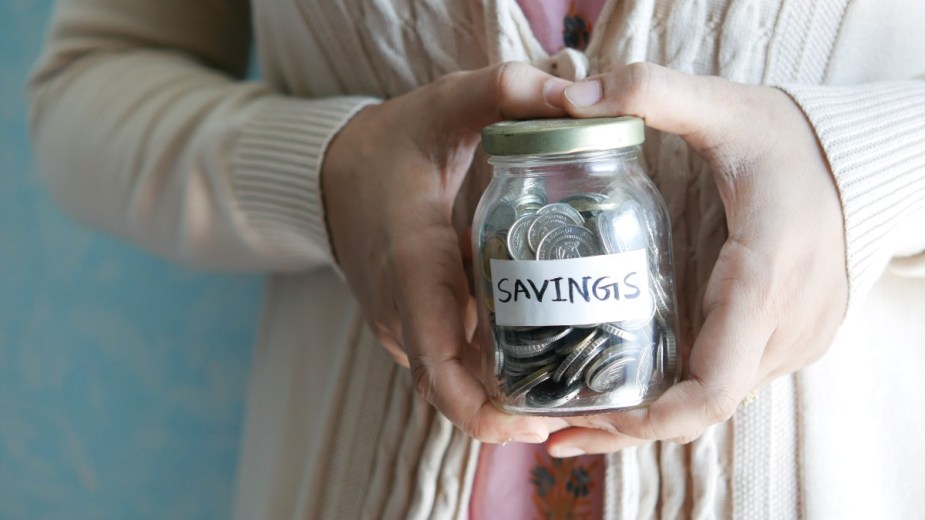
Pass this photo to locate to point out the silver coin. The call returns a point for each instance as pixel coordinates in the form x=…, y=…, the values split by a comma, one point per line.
x=525, y=351
x=501, y=217
x=531, y=342
x=669, y=347
x=577, y=367
x=644, y=369
x=614, y=329
x=576, y=340
x=665, y=355
x=499, y=359
x=563, y=209
x=567, y=242
x=660, y=295
x=523, y=187
x=637, y=324
x=523, y=385
x=608, y=371
x=621, y=231
x=515, y=368
x=659, y=374
x=542, y=225
x=499, y=362
x=642, y=340
x=517, y=244
x=571, y=367
x=528, y=209
x=652, y=235
x=550, y=394
x=530, y=200
x=590, y=197
x=536, y=335
x=589, y=204
x=530, y=184
x=493, y=248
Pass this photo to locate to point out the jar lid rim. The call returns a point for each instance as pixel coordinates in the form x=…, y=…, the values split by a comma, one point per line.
x=556, y=136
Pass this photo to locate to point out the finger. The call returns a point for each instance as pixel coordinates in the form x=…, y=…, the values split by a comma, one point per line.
x=391, y=344
x=726, y=355
x=511, y=90
x=471, y=321
x=472, y=360
x=572, y=442
x=387, y=328
x=431, y=294
x=724, y=361
x=668, y=100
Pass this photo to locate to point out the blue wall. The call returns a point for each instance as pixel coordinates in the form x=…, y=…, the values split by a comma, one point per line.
x=121, y=376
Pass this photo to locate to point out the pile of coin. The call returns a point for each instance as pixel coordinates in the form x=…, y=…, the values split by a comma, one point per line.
x=553, y=366
x=550, y=366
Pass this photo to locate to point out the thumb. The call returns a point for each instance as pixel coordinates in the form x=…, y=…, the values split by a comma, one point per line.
x=666, y=99
x=511, y=90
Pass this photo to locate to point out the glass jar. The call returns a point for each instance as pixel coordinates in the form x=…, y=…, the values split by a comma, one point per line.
x=574, y=281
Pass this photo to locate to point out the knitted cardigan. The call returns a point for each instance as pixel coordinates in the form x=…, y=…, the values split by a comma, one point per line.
x=145, y=128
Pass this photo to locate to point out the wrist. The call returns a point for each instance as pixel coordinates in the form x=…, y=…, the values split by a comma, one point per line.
x=338, y=174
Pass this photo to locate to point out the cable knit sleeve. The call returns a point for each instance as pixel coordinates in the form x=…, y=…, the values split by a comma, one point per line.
x=143, y=127
x=874, y=138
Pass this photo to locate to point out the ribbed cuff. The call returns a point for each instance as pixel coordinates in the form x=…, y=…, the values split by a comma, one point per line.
x=874, y=138
x=276, y=167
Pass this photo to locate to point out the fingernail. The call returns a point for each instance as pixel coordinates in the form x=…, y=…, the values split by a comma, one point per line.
x=564, y=452
x=584, y=93
x=552, y=91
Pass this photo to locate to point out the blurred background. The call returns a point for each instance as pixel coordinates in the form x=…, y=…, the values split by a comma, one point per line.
x=122, y=377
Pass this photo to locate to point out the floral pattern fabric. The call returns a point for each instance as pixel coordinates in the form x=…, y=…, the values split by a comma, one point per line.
x=562, y=23
x=521, y=481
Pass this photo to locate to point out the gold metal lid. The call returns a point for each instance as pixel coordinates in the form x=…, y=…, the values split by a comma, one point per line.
x=555, y=136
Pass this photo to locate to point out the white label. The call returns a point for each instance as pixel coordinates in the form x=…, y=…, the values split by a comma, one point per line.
x=576, y=291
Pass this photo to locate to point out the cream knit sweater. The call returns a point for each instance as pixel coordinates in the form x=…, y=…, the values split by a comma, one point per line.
x=144, y=128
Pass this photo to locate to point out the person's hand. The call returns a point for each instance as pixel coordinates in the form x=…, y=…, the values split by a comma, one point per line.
x=778, y=291
x=390, y=179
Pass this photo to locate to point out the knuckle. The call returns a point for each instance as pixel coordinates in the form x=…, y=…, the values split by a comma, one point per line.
x=651, y=429
x=422, y=376
x=483, y=429
x=636, y=83
x=400, y=358
x=475, y=428
x=391, y=344
x=505, y=76
x=748, y=276
x=718, y=407
x=686, y=439
x=645, y=424
x=385, y=337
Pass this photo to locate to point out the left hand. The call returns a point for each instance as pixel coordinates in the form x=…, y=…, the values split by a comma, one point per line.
x=779, y=289
x=390, y=178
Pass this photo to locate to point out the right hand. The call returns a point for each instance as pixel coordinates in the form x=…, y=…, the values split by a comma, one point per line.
x=390, y=179
x=779, y=289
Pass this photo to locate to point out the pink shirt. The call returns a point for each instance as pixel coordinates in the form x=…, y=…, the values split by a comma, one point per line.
x=562, y=23
x=521, y=481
